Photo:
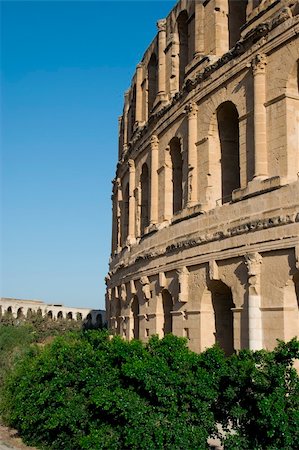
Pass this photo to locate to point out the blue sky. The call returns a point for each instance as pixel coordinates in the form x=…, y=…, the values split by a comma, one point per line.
x=64, y=69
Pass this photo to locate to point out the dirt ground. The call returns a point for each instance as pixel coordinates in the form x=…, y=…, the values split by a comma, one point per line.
x=9, y=440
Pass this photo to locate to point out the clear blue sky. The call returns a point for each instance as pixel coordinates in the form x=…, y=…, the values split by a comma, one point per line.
x=64, y=69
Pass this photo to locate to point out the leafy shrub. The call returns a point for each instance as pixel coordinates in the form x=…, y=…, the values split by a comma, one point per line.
x=87, y=391
x=259, y=399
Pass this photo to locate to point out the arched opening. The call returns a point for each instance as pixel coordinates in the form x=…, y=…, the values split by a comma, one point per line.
x=125, y=214
x=79, y=316
x=144, y=182
x=9, y=311
x=118, y=314
x=89, y=318
x=228, y=131
x=218, y=325
x=135, y=317
x=99, y=321
x=152, y=82
x=167, y=305
x=39, y=313
x=69, y=315
x=177, y=174
x=20, y=314
x=59, y=315
x=182, y=23
x=49, y=315
x=132, y=113
x=236, y=19
x=29, y=313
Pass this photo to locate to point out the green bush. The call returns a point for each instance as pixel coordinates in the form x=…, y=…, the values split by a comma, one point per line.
x=90, y=392
x=259, y=399
x=87, y=391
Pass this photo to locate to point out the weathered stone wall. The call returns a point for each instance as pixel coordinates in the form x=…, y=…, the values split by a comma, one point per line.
x=206, y=194
x=25, y=308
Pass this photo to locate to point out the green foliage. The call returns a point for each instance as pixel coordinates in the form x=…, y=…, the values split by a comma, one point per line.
x=259, y=399
x=87, y=391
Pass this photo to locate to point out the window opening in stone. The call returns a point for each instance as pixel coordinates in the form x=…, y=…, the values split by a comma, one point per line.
x=182, y=23
x=144, y=182
x=135, y=316
x=167, y=305
x=125, y=214
x=79, y=316
x=152, y=82
x=20, y=313
x=222, y=320
x=131, y=114
x=59, y=315
x=236, y=19
x=177, y=175
x=228, y=129
x=69, y=315
x=99, y=320
x=50, y=315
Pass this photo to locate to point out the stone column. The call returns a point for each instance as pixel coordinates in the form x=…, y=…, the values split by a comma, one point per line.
x=139, y=96
x=118, y=213
x=131, y=231
x=192, y=155
x=260, y=125
x=168, y=188
x=199, y=44
x=161, y=24
x=253, y=262
x=175, y=64
x=125, y=120
x=154, y=196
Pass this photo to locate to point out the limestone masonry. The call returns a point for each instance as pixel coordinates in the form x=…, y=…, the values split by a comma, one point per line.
x=206, y=194
x=25, y=308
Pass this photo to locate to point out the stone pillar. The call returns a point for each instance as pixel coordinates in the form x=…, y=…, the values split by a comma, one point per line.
x=168, y=188
x=253, y=262
x=199, y=44
x=161, y=24
x=125, y=120
x=260, y=125
x=154, y=195
x=139, y=94
x=118, y=213
x=175, y=65
x=131, y=231
x=192, y=155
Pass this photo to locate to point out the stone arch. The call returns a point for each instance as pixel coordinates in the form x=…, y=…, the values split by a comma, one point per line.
x=125, y=214
x=152, y=74
x=135, y=317
x=217, y=317
x=177, y=174
x=167, y=307
x=69, y=315
x=60, y=315
x=29, y=313
x=9, y=311
x=50, y=315
x=182, y=27
x=39, y=312
x=225, y=170
x=145, y=190
x=99, y=320
x=20, y=313
x=78, y=316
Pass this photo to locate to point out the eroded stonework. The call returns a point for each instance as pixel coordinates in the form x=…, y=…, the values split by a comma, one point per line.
x=206, y=195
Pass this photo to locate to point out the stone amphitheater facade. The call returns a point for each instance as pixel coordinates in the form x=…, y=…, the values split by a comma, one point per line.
x=19, y=308
x=206, y=195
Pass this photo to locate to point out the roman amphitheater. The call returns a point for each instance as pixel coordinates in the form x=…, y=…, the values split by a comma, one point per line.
x=205, y=198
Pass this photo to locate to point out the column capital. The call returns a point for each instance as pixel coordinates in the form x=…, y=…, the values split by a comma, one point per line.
x=131, y=165
x=161, y=25
x=154, y=141
x=259, y=63
x=191, y=109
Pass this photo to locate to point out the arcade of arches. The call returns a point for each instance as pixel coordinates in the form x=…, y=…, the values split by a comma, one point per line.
x=205, y=238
